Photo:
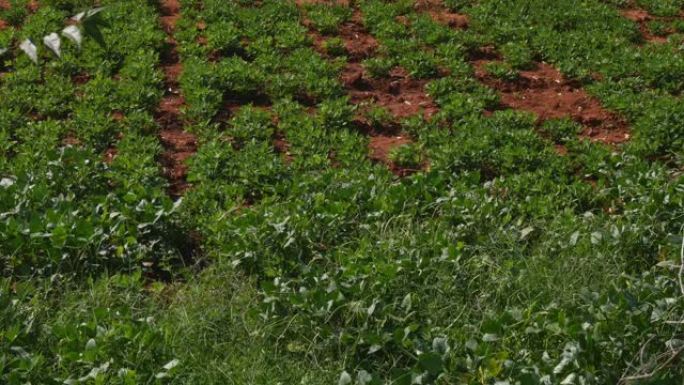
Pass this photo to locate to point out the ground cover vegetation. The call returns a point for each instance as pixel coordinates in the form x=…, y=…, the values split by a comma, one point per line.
x=350, y=192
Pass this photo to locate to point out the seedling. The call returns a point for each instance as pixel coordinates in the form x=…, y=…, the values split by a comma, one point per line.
x=502, y=70
x=408, y=156
x=334, y=46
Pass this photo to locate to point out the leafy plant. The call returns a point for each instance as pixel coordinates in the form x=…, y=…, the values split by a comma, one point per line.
x=378, y=67
x=502, y=70
x=407, y=156
x=327, y=18
x=561, y=130
x=334, y=46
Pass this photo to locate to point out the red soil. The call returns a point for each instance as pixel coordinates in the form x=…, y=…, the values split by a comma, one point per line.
x=178, y=144
x=545, y=92
x=636, y=15
x=642, y=17
x=80, y=79
x=380, y=146
x=33, y=6
x=358, y=43
x=118, y=116
x=281, y=145
x=440, y=14
x=4, y=4
x=172, y=71
x=71, y=140
x=110, y=154
x=401, y=95
x=170, y=10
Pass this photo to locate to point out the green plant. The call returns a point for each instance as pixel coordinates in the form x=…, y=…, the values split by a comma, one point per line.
x=519, y=56
x=334, y=46
x=502, y=70
x=378, y=67
x=407, y=156
x=658, y=28
x=327, y=18
x=561, y=130
x=378, y=117
x=224, y=37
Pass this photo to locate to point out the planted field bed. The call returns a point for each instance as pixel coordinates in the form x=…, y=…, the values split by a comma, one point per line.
x=350, y=191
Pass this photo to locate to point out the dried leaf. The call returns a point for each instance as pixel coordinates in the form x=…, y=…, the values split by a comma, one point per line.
x=53, y=42
x=30, y=49
x=73, y=33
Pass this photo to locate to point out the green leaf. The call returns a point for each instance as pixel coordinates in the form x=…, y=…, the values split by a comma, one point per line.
x=431, y=362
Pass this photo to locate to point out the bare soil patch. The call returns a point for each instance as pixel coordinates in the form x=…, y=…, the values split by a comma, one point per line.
x=441, y=14
x=282, y=146
x=545, y=92
x=170, y=14
x=400, y=94
x=358, y=43
x=33, y=6
x=4, y=5
x=178, y=144
x=110, y=154
x=80, y=79
x=642, y=18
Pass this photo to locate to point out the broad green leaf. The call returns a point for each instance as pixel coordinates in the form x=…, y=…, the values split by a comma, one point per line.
x=431, y=362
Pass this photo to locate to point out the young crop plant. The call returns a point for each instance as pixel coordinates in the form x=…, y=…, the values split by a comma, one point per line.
x=666, y=8
x=327, y=18
x=502, y=70
x=561, y=130
x=251, y=124
x=224, y=37
x=334, y=46
x=420, y=64
x=519, y=56
x=659, y=28
x=14, y=12
x=379, y=66
x=408, y=156
x=378, y=117
x=678, y=26
x=201, y=89
x=336, y=114
x=458, y=5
